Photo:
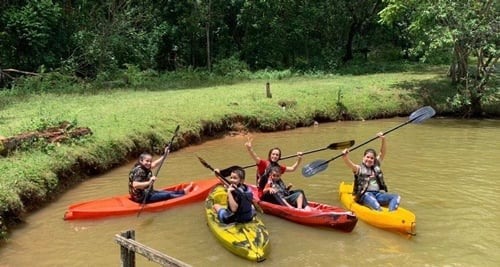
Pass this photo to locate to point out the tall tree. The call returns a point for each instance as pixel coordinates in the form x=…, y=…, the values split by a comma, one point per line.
x=32, y=34
x=467, y=29
x=361, y=15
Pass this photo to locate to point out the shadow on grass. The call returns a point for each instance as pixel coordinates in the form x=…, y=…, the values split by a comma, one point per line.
x=374, y=67
x=431, y=92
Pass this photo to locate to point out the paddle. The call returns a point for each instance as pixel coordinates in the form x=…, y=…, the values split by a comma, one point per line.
x=334, y=146
x=227, y=183
x=148, y=190
x=321, y=165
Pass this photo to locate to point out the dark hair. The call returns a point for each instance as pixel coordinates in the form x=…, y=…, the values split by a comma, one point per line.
x=275, y=169
x=271, y=151
x=240, y=172
x=141, y=158
x=144, y=155
x=370, y=150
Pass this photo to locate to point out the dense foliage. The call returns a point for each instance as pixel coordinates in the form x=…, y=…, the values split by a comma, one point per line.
x=468, y=29
x=97, y=40
x=90, y=37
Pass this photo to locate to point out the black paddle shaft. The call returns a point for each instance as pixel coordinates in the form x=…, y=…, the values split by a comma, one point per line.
x=386, y=132
x=150, y=187
x=227, y=183
x=339, y=145
x=417, y=116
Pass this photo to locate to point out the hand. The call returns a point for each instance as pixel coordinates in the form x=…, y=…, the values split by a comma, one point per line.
x=381, y=135
x=166, y=150
x=300, y=154
x=248, y=143
x=152, y=179
x=345, y=152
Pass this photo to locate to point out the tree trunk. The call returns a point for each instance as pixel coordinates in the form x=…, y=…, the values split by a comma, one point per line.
x=348, y=46
x=207, y=29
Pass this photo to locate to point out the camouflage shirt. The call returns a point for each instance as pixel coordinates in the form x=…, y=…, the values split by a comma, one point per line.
x=138, y=174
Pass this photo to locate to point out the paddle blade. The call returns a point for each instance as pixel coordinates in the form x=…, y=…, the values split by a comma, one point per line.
x=227, y=171
x=314, y=167
x=422, y=114
x=341, y=145
x=204, y=163
x=176, y=131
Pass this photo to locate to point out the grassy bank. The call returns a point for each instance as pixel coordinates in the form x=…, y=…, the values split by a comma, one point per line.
x=126, y=122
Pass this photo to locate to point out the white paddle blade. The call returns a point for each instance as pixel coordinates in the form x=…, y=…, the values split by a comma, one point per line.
x=314, y=167
x=422, y=114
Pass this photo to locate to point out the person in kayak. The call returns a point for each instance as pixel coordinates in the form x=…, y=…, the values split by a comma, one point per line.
x=264, y=166
x=277, y=192
x=239, y=199
x=141, y=180
x=369, y=185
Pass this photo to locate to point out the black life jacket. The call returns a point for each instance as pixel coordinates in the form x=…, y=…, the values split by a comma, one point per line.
x=361, y=181
x=245, y=211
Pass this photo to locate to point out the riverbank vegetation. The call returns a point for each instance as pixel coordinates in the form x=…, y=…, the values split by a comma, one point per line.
x=130, y=71
x=125, y=122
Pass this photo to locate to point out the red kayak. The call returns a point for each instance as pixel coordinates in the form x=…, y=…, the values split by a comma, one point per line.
x=122, y=205
x=322, y=215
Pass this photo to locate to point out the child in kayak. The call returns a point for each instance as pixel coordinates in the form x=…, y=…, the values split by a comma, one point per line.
x=277, y=192
x=369, y=185
x=264, y=166
x=141, y=179
x=239, y=200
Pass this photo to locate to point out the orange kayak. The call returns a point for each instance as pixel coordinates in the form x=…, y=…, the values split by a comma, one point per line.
x=320, y=215
x=122, y=205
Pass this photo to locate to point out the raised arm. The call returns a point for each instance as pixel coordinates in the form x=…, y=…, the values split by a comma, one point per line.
x=156, y=162
x=348, y=162
x=383, y=147
x=296, y=164
x=252, y=153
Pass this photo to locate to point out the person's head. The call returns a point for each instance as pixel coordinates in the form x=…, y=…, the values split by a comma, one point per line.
x=274, y=154
x=237, y=176
x=369, y=157
x=145, y=159
x=275, y=173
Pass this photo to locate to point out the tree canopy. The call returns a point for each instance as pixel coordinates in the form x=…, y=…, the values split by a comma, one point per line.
x=88, y=38
x=468, y=30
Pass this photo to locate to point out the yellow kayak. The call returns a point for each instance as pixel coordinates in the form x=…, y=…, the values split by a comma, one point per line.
x=400, y=220
x=248, y=240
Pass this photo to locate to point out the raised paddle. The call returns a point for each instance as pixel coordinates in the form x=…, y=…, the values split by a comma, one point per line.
x=334, y=146
x=320, y=165
x=227, y=183
x=148, y=190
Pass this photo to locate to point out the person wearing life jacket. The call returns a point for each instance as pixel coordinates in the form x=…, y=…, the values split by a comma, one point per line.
x=264, y=166
x=239, y=199
x=277, y=192
x=141, y=179
x=369, y=185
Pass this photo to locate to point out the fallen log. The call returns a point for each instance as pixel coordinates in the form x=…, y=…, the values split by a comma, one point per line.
x=58, y=134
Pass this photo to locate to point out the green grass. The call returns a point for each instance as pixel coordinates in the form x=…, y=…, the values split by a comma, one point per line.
x=125, y=122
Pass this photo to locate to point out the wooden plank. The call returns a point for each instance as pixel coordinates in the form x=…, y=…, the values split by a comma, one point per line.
x=150, y=253
x=127, y=256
